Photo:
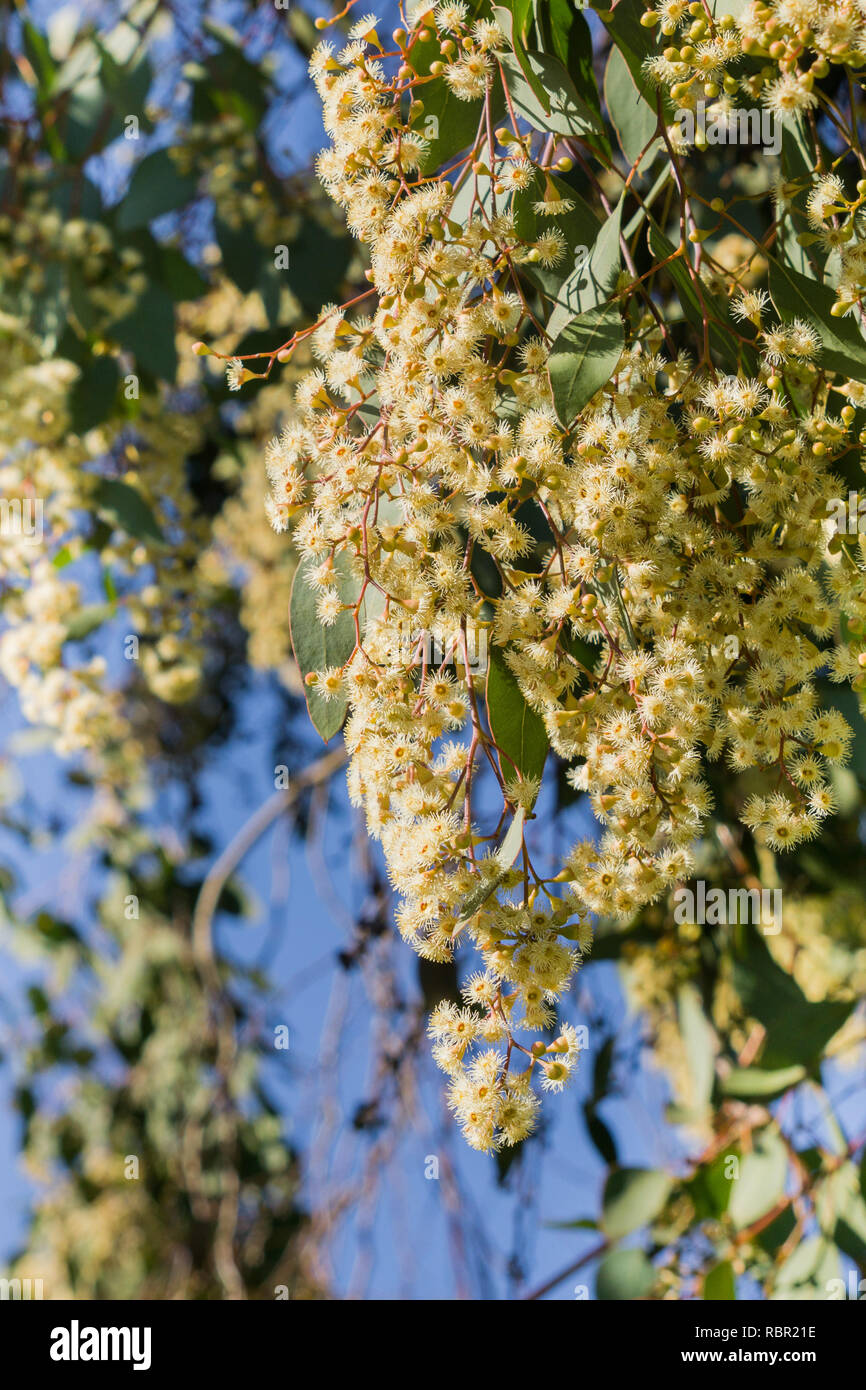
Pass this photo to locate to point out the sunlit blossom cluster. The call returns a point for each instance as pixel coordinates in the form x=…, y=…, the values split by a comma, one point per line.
x=668, y=597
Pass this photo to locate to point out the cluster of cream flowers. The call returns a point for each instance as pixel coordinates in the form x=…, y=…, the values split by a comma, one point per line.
x=838, y=226
x=799, y=41
x=657, y=621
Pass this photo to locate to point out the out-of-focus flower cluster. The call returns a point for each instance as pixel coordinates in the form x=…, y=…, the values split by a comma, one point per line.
x=45, y=462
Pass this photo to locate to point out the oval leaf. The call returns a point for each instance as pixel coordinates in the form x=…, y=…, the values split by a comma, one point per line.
x=512, y=844
x=633, y=119
x=487, y=884
x=698, y=1046
x=88, y=619
x=761, y=1180
x=624, y=1275
x=632, y=1198
x=519, y=732
x=584, y=358
x=592, y=282
x=753, y=1083
x=316, y=647
x=156, y=187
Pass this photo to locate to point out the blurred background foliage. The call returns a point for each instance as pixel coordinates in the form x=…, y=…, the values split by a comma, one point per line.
x=141, y=202
x=154, y=160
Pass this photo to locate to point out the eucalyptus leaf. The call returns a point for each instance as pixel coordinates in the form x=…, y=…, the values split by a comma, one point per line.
x=593, y=281
x=156, y=187
x=624, y=1275
x=513, y=842
x=634, y=41
x=798, y=164
x=566, y=33
x=568, y=115
x=696, y=300
x=92, y=395
x=87, y=620
x=487, y=884
x=798, y=1029
x=580, y=229
x=583, y=359
x=756, y=1083
x=147, y=332
x=600, y=1134
x=811, y=1262
x=719, y=1282
x=842, y=1213
x=317, y=646
x=633, y=1197
x=448, y=123
x=634, y=120
x=761, y=1180
x=698, y=1045
x=514, y=29
x=519, y=732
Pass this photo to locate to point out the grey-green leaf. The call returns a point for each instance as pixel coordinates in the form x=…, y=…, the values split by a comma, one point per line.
x=632, y=1198
x=633, y=119
x=519, y=732
x=698, y=1045
x=593, y=281
x=798, y=1029
x=810, y=1261
x=624, y=1275
x=842, y=1213
x=569, y=113
x=156, y=187
x=761, y=1180
x=317, y=647
x=719, y=1282
x=693, y=302
x=798, y=162
x=756, y=1083
x=88, y=619
x=486, y=885
x=512, y=844
x=584, y=358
